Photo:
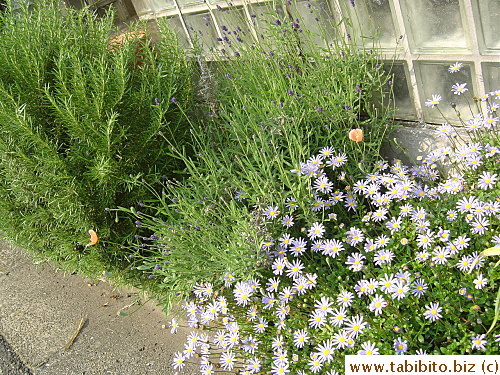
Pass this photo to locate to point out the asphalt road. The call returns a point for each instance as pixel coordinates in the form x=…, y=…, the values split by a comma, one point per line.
x=10, y=364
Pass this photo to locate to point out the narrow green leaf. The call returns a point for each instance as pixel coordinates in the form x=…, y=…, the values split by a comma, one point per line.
x=497, y=312
x=491, y=251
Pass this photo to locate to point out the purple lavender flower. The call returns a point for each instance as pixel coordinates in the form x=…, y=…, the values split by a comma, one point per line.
x=174, y=100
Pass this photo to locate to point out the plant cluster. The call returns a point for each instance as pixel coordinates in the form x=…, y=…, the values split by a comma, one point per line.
x=271, y=109
x=290, y=241
x=391, y=263
x=286, y=93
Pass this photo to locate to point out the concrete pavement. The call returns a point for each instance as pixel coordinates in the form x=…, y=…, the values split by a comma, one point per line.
x=41, y=310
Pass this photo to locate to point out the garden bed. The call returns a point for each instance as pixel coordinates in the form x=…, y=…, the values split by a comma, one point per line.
x=251, y=190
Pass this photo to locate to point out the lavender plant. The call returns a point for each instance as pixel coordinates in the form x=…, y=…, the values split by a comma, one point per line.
x=296, y=86
x=268, y=110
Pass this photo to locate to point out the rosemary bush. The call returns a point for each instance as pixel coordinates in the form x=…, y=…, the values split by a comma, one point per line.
x=81, y=119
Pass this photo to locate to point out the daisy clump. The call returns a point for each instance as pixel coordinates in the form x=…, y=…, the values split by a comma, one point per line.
x=409, y=258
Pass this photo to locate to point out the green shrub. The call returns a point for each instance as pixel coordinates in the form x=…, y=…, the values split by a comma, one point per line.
x=199, y=231
x=80, y=122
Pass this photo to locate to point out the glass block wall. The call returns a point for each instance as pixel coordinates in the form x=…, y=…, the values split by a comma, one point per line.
x=424, y=37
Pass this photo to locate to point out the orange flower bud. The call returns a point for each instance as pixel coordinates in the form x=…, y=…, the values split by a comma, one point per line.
x=356, y=135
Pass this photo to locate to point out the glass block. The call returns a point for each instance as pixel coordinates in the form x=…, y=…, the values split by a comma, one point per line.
x=233, y=26
x=374, y=19
x=489, y=14
x=434, y=78
x=434, y=25
x=187, y=3
x=491, y=76
x=405, y=108
x=175, y=24
x=318, y=19
x=202, y=30
x=161, y=5
x=264, y=14
x=142, y=7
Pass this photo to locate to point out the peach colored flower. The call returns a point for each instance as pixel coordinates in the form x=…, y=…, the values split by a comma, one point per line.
x=93, y=238
x=356, y=135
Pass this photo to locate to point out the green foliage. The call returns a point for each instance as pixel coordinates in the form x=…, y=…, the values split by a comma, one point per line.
x=80, y=121
x=267, y=113
x=199, y=231
x=287, y=93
